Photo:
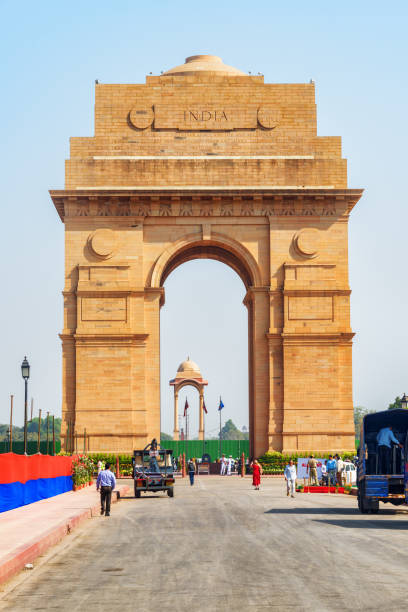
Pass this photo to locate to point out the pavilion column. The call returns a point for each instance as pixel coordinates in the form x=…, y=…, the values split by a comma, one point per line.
x=201, y=425
x=176, y=429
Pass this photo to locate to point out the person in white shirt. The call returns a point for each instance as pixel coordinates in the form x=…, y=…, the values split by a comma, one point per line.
x=324, y=473
x=100, y=466
x=230, y=463
x=340, y=468
x=290, y=477
x=223, y=465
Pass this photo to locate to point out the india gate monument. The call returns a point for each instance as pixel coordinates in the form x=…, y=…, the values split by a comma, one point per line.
x=206, y=161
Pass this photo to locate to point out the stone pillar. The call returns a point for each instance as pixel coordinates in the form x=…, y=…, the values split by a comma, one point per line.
x=201, y=422
x=176, y=429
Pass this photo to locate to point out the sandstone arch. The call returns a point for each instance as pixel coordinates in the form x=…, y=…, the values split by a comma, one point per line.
x=219, y=247
x=207, y=161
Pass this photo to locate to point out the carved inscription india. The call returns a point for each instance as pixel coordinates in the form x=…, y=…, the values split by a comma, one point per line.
x=205, y=117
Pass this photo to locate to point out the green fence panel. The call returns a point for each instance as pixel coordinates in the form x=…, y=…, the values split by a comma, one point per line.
x=196, y=448
x=18, y=447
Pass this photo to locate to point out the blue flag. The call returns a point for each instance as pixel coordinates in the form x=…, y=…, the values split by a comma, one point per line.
x=221, y=406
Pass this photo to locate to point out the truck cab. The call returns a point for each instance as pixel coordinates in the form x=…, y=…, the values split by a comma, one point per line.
x=374, y=485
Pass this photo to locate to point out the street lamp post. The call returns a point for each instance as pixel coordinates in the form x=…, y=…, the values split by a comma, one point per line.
x=25, y=372
x=404, y=402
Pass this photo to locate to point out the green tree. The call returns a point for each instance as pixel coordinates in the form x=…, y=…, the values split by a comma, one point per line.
x=395, y=404
x=32, y=429
x=231, y=432
x=359, y=414
x=165, y=436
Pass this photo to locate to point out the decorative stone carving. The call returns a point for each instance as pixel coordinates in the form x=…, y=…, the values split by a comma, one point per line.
x=307, y=242
x=308, y=211
x=287, y=210
x=186, y=209
x=82, y=209
x=165, y=210
x=247, y=209
x=268, y=117
x=103, y=242
x=206, y=211
x=226, y=209
x=141, y=117
x=329, y=209
x=123, y=209
x=143, y=210
x=268, y=210
x=104, y=209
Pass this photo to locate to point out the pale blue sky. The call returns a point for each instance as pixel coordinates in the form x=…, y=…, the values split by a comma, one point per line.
x=51, y=54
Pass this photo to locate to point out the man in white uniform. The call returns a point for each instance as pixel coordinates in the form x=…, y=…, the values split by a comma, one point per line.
x=290, y=477
x=223, y=465
x=230, y=463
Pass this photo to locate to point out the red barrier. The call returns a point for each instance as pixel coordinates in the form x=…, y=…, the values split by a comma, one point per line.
x=21, y=468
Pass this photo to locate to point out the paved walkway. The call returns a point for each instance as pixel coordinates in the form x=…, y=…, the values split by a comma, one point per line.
x=220, y=546
x=27, y=532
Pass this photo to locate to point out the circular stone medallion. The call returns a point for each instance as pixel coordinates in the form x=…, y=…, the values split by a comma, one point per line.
x=307, y=242
x=141, y=117
x=268, y=117
x=103, y=242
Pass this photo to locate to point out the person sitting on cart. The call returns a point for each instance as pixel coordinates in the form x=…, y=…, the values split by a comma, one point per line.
x=153, y=465
x=384, y=439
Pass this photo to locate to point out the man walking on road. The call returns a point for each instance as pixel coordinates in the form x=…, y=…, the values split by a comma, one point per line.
x=290, y=477
x=191, y=470
x=106, y=482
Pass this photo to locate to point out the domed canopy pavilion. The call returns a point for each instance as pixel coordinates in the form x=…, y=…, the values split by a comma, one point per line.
x=188, y=373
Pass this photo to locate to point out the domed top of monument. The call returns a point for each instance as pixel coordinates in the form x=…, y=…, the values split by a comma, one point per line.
x=188, y=369
x=204, y=64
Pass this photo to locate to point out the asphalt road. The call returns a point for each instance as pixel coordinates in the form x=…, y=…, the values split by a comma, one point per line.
x=222, y=546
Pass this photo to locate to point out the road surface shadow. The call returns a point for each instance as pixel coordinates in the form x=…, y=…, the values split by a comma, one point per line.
x=313, y=511
x=367, y=523
x=157, y=496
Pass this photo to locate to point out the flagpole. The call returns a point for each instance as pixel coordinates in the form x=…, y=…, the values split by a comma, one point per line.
x=219, y=409
x=203, y=430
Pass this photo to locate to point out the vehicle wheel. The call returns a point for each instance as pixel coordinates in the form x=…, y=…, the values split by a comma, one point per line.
x=362, y=504
x=170, y=492
x=137, y=493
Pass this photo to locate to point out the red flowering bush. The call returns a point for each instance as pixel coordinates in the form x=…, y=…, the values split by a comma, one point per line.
x=82, y=469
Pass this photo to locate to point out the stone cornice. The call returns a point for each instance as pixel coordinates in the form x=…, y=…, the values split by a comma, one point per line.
x=208, y=202
x=111, y=339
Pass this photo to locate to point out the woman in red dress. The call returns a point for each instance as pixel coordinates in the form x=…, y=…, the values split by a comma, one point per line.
x=256, y=474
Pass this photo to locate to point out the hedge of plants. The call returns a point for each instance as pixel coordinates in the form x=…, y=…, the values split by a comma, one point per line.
x=82, y=470
x=275, y=463
x=125, y=462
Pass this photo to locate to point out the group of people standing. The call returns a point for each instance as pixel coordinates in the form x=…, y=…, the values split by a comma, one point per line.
x=332, y=471
x=227, y=465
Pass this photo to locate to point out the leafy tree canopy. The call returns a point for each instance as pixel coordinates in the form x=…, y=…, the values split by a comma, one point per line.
x=396, y=404
x=165, y=436
x=32, y=429
x=231, y=432
x=359, y=414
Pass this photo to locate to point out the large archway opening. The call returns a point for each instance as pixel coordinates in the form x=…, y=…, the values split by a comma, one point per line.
x=204, y=318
